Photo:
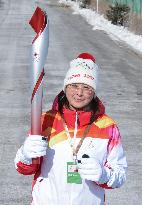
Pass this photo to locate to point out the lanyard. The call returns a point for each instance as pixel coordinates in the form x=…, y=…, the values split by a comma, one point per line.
x=75, y=151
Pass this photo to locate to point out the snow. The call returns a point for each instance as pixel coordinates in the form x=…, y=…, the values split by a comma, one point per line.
x=98, y=22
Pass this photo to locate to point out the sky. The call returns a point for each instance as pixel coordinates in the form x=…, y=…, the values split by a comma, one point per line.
x=98, y=22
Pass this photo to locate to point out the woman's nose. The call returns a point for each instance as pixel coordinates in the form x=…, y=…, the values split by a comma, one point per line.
x=79, y=91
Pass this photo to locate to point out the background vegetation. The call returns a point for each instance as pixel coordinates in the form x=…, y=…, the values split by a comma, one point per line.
x=133, y=18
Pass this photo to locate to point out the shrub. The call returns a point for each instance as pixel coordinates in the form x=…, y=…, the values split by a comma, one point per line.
x=118, y=14
x=84, y=3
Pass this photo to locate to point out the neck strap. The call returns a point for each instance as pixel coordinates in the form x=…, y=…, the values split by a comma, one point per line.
x=86, y=131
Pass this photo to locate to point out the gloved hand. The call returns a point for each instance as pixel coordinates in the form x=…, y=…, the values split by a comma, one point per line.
x=34, y=146
x=91, y=169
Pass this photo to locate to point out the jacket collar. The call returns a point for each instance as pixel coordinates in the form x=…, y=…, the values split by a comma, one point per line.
x=83, y=118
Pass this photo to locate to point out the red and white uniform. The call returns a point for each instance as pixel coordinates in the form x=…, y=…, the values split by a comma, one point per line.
x=50, y=185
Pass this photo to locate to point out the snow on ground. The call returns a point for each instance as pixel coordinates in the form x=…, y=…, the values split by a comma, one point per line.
x=99, y=22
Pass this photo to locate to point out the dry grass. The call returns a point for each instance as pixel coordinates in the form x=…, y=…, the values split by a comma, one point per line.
x=135, y=23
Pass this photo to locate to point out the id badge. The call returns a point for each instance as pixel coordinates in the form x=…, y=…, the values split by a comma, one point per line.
x=72, y=173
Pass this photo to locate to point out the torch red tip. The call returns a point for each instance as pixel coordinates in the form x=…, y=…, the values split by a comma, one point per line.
x=38, y=20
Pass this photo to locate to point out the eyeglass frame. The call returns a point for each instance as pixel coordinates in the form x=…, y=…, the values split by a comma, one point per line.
x=73, y=87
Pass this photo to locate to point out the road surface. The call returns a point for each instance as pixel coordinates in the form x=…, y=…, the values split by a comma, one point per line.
x=120, y=88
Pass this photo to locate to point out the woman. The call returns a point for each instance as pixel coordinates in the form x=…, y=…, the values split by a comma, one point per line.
x=83, y=153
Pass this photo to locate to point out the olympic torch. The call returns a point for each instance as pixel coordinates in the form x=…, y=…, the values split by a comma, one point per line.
x=39, y=22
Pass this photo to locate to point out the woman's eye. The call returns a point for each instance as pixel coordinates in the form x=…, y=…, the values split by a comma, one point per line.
x=74, y=86
x=86, y=87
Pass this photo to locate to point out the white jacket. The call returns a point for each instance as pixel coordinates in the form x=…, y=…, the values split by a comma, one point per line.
x=50, y=184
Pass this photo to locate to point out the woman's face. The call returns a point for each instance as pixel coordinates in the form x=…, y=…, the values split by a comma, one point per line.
x=79, y=95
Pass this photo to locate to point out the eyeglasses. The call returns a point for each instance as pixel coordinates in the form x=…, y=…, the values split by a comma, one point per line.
x=75, y=87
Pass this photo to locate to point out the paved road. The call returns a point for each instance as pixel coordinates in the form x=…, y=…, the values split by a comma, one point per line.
x=120, y=89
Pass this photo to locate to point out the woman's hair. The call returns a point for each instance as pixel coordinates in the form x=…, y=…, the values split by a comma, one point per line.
x=63, y=101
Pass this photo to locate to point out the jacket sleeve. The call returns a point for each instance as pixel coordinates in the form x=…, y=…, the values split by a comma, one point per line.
x=116, y=164
x=24, y=166
x=29, y=167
